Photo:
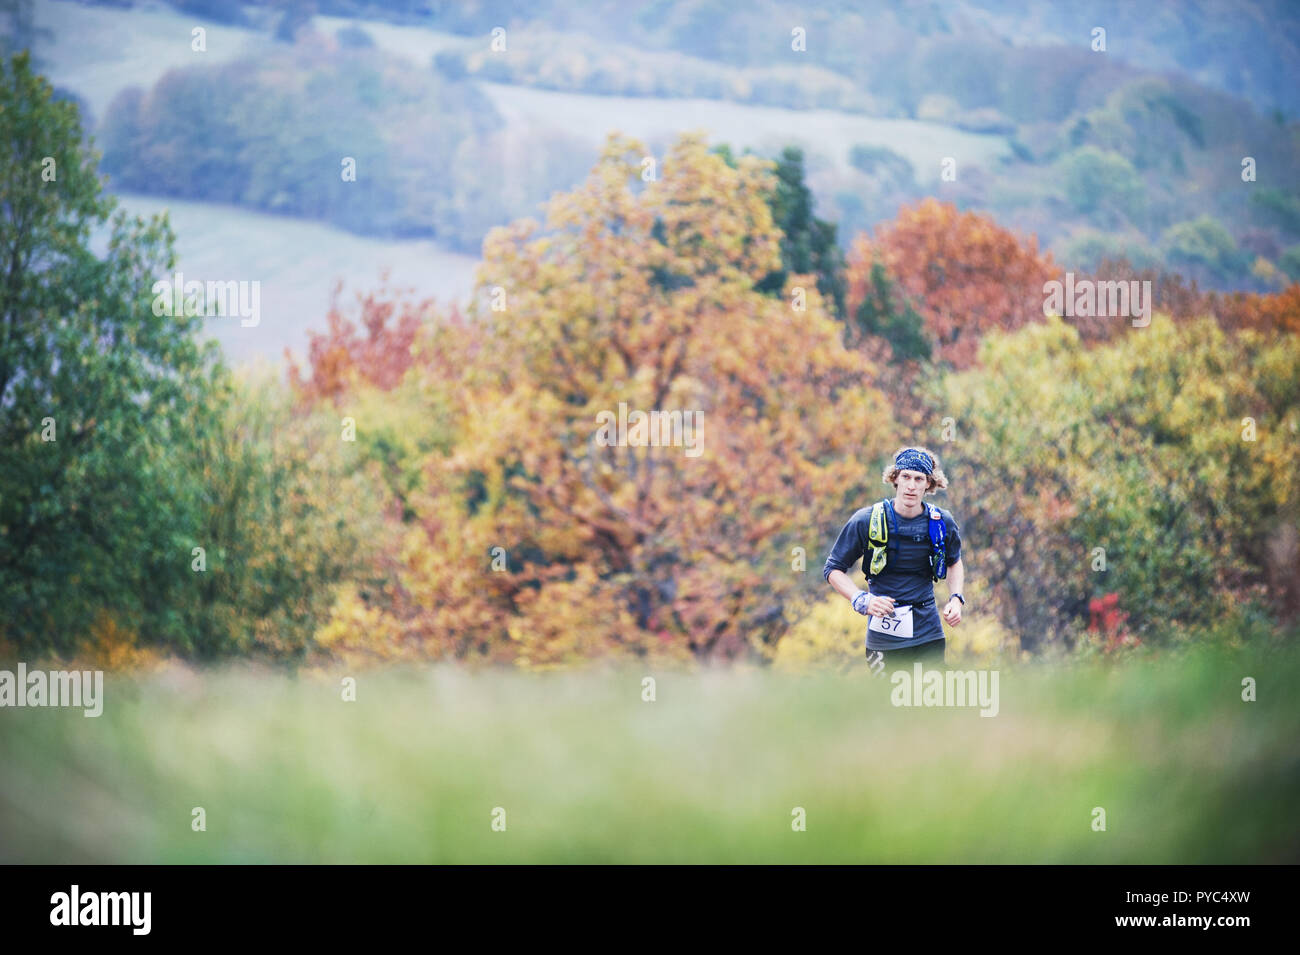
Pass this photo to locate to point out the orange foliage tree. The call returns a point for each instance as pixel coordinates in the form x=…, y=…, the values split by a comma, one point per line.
x=341, y=357
x=1280, y=312
x=962, y=272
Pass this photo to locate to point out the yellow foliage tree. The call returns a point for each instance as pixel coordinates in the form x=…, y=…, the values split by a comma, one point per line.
x=1159, y=467
x=536, y=542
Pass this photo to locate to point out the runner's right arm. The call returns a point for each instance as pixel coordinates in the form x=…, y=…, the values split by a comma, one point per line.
x=849, y=548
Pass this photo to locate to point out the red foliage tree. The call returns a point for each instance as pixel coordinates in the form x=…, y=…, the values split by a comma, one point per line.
x=1181, y=298
x=1109, y=624
x=342, y=354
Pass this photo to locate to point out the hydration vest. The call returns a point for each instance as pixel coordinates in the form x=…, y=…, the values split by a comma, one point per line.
x=878, y=537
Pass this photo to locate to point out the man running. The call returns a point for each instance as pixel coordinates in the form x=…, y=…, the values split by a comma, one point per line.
x=903, y=621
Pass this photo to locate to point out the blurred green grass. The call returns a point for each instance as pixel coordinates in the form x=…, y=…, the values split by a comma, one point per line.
x=587, y=772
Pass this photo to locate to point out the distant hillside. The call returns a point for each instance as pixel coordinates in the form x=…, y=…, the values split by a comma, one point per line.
x=1247, y=48
x=1097, y=154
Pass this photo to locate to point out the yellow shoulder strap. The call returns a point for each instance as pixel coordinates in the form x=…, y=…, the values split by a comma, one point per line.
x=878, y=535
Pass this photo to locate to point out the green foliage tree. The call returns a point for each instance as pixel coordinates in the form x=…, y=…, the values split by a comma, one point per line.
x=286, y=510
x=264, y=140
x=1102, y=184
x=1276, y=207
x=101, y=397
x=884, y=162
x=1289, y=263
x=1090, y=247
x=1205, y=247
x=19, y=30
x=808, y=244
x=886, y=311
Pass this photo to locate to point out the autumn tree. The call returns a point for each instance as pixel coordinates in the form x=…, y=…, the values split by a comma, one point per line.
x=965, y=274
x=341, y=357
x=1280, y=311
x=1183, y=298
x=535, y=540
x=1159, y=467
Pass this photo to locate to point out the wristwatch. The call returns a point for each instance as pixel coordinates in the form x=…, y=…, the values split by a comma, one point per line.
x=959, y=597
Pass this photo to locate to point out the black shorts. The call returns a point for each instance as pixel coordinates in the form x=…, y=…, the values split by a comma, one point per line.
x=930, y=655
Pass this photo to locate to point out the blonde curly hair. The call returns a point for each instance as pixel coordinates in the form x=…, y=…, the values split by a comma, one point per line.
x=937, y=480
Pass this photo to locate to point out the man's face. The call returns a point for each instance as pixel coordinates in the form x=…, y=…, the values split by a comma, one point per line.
x=911, y=485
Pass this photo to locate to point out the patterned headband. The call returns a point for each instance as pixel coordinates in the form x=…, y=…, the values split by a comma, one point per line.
x=910, y=459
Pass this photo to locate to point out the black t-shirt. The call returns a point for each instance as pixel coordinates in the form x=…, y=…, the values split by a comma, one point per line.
x=906, y=576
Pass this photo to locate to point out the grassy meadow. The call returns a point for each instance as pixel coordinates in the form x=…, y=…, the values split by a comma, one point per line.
x=710, y=771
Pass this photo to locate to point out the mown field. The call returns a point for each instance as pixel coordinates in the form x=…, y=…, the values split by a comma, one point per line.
x=296, y=263
x=587, y=771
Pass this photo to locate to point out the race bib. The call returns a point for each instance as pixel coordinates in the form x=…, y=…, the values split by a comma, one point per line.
x=897, y=624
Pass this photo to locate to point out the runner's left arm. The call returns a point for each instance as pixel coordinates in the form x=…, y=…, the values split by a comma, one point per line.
x=956, y=578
